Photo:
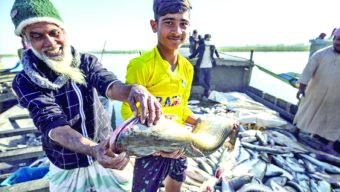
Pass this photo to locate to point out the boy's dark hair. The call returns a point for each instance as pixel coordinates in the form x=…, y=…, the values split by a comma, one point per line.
x=163, y=7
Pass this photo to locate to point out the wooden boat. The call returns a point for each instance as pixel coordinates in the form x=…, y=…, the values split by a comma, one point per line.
x=7, y=97
x=231, y=74
x=236, y=70
x=234, y=74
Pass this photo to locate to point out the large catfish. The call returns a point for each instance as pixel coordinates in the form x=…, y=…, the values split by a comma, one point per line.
x=140, y=140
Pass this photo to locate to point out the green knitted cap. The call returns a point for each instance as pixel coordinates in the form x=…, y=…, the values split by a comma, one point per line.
x=26, y=12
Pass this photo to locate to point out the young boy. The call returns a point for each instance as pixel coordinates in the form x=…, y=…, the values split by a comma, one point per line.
x=168, y=76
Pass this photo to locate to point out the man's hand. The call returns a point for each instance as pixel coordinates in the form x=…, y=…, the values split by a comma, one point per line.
x=150, y=108
x=149, y=105
x=301, y=92
x=107, y=158
x=174, y=155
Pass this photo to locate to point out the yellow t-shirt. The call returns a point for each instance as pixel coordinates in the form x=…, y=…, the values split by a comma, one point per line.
x=171, y=88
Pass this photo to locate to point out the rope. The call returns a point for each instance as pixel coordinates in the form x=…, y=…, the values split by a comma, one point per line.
x=289, y=78
x=9, y=69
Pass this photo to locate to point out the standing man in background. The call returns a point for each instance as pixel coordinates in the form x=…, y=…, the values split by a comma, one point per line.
x=194, y=41
x=319, y=108
x=205, y=63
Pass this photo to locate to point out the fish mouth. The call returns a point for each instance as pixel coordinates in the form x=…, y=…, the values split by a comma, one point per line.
x=113, y=144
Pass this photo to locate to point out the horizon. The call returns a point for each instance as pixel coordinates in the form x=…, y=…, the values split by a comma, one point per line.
x=262, y=48
x=124, y=25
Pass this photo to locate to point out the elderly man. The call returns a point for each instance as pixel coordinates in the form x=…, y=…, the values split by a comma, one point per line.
x=60, y=88
x=319, y=109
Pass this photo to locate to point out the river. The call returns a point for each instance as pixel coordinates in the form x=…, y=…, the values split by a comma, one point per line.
x=277, y=62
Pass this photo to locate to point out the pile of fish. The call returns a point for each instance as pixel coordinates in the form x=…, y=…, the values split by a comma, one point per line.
x=269, y=160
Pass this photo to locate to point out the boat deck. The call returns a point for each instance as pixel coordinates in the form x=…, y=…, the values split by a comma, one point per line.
x=15, y=124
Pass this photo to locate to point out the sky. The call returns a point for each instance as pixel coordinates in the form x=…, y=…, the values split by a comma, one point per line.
x=124, y=24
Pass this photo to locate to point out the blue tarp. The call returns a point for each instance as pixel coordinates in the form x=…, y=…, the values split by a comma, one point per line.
x=25, y=174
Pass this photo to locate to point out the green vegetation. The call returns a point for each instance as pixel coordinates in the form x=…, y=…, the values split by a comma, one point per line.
x=294, y=48
x=299, y=47
x=8, y=55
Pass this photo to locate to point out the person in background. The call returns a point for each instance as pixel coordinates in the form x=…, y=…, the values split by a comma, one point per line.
x=319, y=109
x=321, y=36
x=200, y=40
x=60, y=86
x=194, y=41
x=168, y=76
x=205, y=63
x=332, y=34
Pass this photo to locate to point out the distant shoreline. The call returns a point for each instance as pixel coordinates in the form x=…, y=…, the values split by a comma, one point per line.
x=262, y=48
x=265, y=48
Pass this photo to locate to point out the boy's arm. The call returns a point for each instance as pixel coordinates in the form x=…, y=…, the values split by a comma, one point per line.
x=192, y=120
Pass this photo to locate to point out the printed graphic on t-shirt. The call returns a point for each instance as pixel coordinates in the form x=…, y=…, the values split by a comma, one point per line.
x=170, y=101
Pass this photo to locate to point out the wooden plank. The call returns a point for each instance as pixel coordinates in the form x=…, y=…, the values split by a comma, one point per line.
x=19, y=131
x=38, y=185
x=24, y=153
x=13, y=119
x=7, y=97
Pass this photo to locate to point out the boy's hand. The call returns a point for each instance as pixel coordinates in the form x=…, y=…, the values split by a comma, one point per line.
x=174, y=155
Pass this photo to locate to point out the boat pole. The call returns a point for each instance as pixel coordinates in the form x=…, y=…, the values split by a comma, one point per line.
x=102, y=53
x=250, y=69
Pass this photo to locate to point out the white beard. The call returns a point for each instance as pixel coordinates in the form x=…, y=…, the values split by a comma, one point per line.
x=62, y=64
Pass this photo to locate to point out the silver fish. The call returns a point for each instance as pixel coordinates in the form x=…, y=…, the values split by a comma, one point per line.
x=295, y=186
x=279, y=180
x=197, y=174
x=235, y=183
x=204, y=166
x=276, y=187
x=326, y=166
x=273, y=170
x=268, y=149
x=283, y=140
x=250, y=187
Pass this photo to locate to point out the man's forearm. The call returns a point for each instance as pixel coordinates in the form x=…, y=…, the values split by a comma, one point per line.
x=72, y=140
x=119, y=91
